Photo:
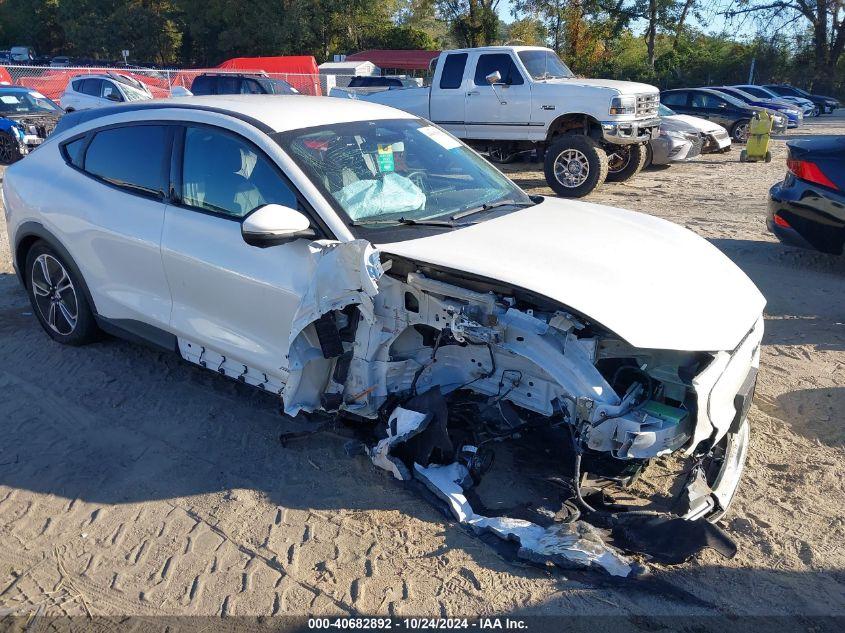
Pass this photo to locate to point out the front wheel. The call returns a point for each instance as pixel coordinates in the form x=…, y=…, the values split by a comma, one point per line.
x=575, y=165
x=625, y=161
x=57, y=298
x=741, y=130
x=10, y=149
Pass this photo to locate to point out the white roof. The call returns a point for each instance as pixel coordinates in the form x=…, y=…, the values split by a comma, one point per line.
x=291, y=112
x=343, y=65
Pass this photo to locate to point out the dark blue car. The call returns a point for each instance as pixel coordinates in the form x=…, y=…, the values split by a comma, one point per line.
x=26, y=118
x=793, y=113
x=807, y=209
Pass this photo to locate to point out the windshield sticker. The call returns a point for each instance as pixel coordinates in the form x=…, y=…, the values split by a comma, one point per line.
x=10, y=99
x=440, y=137
x=386, y=164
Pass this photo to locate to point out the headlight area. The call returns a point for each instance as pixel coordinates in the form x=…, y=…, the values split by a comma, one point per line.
x=475, y=391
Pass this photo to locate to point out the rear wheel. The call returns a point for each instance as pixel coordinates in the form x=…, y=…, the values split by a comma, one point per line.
x=10, y=149
x=741, y=130
x=575, y=165
x=625, y=161
x=57, y=298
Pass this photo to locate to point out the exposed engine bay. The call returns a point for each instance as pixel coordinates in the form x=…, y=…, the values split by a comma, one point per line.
x=449, y=367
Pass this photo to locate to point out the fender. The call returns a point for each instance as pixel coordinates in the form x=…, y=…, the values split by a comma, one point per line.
x=30, y=232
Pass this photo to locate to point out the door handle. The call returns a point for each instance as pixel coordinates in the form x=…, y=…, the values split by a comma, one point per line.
x=473, y=93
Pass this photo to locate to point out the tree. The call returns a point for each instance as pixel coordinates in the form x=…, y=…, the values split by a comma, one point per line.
x=473, y=22
x=825, y=18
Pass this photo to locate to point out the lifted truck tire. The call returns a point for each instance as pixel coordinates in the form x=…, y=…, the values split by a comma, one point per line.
x=575, y=165
x=625, y=161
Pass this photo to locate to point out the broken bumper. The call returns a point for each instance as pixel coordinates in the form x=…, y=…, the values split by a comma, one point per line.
x=627, y=132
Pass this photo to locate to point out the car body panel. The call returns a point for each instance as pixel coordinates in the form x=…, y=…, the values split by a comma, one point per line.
x=710, y=310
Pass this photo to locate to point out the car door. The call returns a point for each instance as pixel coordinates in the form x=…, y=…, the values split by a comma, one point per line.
x=714, y=108
x=233, y=299
x=89, y=94
x=447, y=100
x=678, y=100
x=117, y=190
x=502, y=110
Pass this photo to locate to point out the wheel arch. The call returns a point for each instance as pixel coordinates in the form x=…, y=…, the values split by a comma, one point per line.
x=575, y=122
x=30, y=233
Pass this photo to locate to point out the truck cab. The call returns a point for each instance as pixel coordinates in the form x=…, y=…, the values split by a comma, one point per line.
x=509, y=99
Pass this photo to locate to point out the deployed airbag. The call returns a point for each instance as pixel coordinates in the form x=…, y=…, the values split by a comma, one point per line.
x=370, y=198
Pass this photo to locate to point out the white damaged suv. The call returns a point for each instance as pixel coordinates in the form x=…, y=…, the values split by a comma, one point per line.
x=347, y=256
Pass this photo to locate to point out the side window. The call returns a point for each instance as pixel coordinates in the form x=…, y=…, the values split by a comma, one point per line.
x=77, y=84
x=135, y=157
x=491, y=62
x=228, y=85
x=92, y=87
x=251, y=87
x=704, y=100
x=677, y=99
x=453, y=71
x=203, y=85
x=225, y=174
x=110, y=92
x=73, y=151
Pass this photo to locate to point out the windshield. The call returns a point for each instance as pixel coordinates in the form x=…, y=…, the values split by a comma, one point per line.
x=663, y=110
x=26, y=103
x=133, y=94
x=759, y=92
x=397, y=171
x=543, y=64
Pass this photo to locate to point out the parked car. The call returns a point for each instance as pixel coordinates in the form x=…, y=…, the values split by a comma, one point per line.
x=61, y=61
x=727, y=111
x=715, y=137
x=808, y=108
x=22, y=54
x=98, y=90
x=5, y=57
x=26, y=119
x=240, y=83
x=794, y=115
x=824, y=103
x=510, y=99
x=290, y=197
x=807, y=209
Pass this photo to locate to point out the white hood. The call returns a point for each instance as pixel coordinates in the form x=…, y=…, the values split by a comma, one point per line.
x=623, y=87
x=701, y=125
x=652, y=282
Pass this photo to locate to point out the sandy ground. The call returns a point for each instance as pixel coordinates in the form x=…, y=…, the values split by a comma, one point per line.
x=153, y=487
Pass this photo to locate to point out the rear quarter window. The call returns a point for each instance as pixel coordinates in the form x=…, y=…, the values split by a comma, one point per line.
x=73, y=150
x=453, y=71
x=135, y=158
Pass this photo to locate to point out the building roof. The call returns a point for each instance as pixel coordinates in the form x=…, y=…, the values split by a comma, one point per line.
x=295, y=64
x=398, y=59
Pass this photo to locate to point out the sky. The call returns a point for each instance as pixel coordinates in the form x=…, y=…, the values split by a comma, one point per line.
x=716, y=23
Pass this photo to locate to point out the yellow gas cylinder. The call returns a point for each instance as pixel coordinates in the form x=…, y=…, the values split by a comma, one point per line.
x=759, y=135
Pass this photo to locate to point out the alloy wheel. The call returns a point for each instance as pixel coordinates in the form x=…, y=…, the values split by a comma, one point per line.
x=55, y=295
x=571, y=168
x=7, y=149
x=619, y=159
x=741, y=132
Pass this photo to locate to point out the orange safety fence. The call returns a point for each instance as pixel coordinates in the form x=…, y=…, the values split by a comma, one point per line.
x=51, y=82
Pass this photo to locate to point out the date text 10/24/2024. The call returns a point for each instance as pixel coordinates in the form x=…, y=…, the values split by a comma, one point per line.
x=413, y=624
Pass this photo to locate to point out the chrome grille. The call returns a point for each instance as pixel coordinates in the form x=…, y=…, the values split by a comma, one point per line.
x=647, y=104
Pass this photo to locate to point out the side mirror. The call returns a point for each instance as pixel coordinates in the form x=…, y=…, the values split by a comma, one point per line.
x=274, y=224
x=494, y=78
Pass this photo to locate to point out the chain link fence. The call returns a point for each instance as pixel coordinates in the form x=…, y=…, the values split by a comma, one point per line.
x=51, y=82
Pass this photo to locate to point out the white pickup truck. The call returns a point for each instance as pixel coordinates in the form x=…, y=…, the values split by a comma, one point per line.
x=507, y=99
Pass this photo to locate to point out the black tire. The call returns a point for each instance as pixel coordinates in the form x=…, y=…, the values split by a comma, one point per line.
x=743, y=156
x=590, y=158
x=57, y=294
x=741, y=130
x=649, y=156
x=625, y=161
x=10, y=149
x=768, y=156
